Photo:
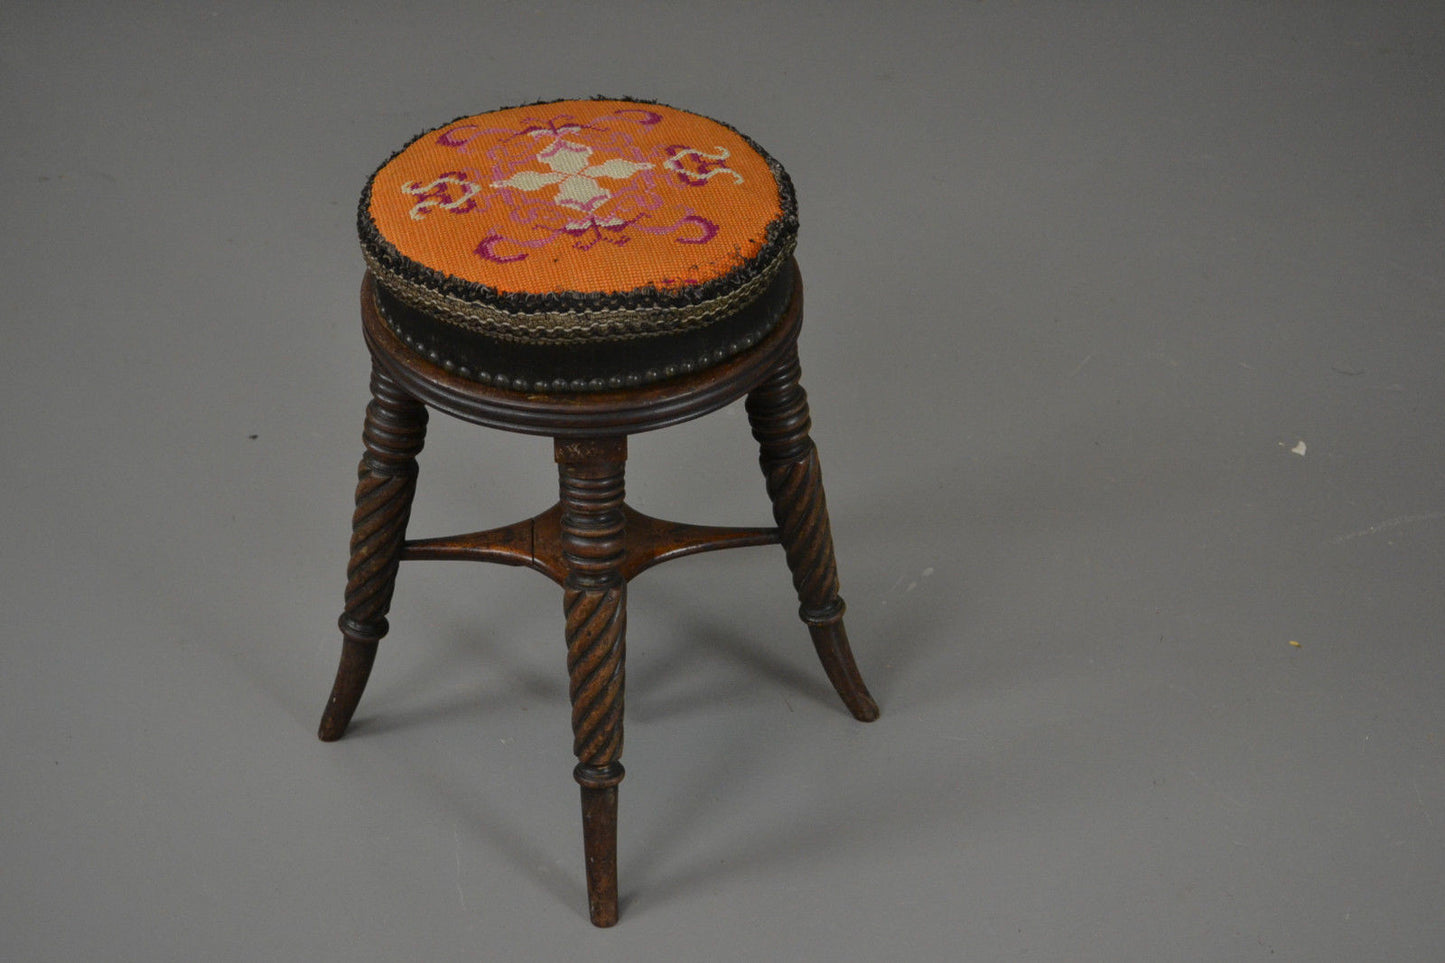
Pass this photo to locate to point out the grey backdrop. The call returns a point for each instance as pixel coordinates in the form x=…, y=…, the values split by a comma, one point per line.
x=1124, y=341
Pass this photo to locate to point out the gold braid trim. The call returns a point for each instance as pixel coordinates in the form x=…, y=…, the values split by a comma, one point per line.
x=563, y=327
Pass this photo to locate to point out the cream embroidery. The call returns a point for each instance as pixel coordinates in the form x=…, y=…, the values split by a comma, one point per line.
x=439, y=194
x=574, y=175
x=704, y=168
x=565, y=197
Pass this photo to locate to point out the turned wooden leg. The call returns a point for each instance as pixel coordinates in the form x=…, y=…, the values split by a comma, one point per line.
x=595, y=601
x=386, y=481
x=778, y=413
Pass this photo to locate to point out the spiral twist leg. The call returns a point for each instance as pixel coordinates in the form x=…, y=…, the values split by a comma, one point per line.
x=778, y=413
x=595, y=602
x=386, y=481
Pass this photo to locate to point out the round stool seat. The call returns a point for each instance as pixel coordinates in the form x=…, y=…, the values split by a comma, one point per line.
x=580, y=245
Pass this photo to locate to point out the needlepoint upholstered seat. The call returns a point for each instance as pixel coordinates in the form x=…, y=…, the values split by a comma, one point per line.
x=585, y=270
x=580, y=245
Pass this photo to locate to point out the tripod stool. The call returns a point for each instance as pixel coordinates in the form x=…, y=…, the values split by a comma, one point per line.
x=583, y=270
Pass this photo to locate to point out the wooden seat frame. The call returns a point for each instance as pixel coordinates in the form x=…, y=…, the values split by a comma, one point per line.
x=591, y=542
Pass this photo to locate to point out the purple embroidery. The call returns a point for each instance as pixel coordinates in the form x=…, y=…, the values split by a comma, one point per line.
x=648, y=118
x=694, y=168
x=565, y=124
x=456, y=139
x=588, y=182
x=551, y=127
x=452, y=191
x=590, y=231
x=708, y=228
x=486, y=250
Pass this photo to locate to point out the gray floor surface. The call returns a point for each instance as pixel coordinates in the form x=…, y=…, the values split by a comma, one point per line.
x=1125, y=345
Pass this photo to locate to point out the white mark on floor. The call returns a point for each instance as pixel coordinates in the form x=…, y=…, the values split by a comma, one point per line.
x=912, y=584
x=1300, y=449
x=1387, y=525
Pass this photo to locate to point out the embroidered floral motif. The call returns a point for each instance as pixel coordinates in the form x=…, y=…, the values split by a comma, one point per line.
x=439, y=194
x=695, y=168
x=577, y=182
x=575, y=177
x=579, y=195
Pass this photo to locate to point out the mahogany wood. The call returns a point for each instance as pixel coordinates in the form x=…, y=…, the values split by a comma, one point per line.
x=778, y=413
x=536, y=543
x=590, y=542
x=394, y=433
x=594, y=599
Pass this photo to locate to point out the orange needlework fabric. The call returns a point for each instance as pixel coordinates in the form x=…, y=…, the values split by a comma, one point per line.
x=606, y=196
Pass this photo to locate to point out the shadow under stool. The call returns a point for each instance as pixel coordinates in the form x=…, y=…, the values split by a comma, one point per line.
x=583, y=270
